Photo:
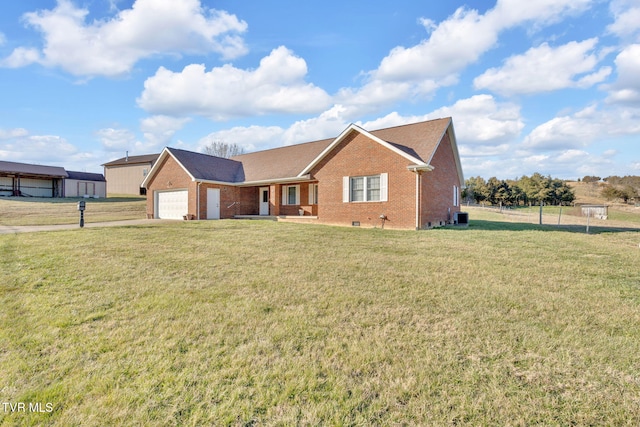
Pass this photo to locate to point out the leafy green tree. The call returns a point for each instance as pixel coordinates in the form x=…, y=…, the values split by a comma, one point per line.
x=476, y=189
x=517, y=194
x=560, y=193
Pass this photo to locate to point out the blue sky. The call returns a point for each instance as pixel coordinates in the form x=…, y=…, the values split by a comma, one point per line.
x=549, y=86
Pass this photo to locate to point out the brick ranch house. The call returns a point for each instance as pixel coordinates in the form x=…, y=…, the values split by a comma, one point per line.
x=405, y=177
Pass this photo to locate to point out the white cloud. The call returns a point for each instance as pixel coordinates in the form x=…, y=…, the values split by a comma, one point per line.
x=3, y=38
x=584, y=128
x=111, y=47
x=20, y=57
x=481, y=120
x=509, y=13
x=18, y=145
x=545, y=68
x=476, y=151
x=627, y=15
x=327, y=125
x=251, y=138
x=159, y=130
x=369, y=97
x=116, y=139
x=577, y=162
x=627, y=88
x=276, y=86
x=13, y=133
x=567, y=132
x=452, y=45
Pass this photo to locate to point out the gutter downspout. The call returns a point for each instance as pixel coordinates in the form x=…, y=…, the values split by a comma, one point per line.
x=198, y=201
x=418, y=174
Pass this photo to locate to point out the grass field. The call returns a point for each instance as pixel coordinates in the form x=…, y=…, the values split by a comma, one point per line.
x=264, y=323
x=47, y=211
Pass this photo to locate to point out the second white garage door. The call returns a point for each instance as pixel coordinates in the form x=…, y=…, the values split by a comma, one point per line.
x=172, y=204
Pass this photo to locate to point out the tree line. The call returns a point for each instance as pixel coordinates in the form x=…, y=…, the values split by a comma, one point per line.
x=527, y=190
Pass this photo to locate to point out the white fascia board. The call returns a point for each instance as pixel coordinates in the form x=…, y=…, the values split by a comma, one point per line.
x=210, y=181
x=456, y=154
x=343, y=135
x=454, y=147
x=420, y=168
x=300, y=178
x=256, y=183
x=154, y=169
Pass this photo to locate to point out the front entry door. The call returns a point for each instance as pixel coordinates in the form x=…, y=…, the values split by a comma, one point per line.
x=213, y=203
x=264, y=201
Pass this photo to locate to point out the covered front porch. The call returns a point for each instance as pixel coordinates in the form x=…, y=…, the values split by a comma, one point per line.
x=286, y=201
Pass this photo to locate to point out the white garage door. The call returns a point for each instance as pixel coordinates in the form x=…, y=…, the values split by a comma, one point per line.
x=172, y=204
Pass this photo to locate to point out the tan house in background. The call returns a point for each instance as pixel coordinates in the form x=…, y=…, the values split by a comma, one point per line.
x=124, y=176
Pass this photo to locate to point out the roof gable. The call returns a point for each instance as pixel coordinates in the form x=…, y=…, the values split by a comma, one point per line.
x=415, y=142
x=208, y=168
x=200, y=167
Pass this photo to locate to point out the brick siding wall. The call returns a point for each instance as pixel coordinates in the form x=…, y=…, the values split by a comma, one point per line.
x=357, y=155
x=437, y=187
x=170, y=176
x=233, y=200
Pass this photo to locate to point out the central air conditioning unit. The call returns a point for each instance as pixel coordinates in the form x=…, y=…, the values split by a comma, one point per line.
x=461, y=218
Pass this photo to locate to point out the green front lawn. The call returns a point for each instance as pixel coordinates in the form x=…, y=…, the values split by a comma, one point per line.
x=264, y=323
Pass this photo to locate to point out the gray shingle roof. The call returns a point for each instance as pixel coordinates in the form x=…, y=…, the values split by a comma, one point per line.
x=86, y=176
x=418, y=140
x=132, y=160
x=210, y=168
x=283, y=162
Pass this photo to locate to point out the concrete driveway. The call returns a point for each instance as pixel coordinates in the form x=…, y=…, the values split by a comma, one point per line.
x=10, y=229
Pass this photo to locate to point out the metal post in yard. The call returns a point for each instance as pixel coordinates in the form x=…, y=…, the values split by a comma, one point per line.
x=81, y=207
x=540, y=211
x=588, y=216
x=560, y=216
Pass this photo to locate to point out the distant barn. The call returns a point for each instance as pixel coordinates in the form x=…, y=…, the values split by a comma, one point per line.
x=28, y=180
x=22, y=179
